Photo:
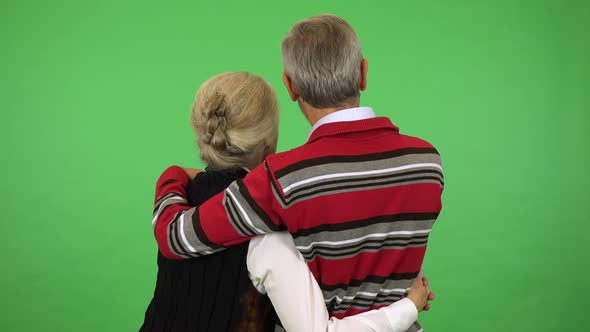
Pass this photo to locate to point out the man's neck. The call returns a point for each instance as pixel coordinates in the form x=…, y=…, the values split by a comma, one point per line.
x=313, y=114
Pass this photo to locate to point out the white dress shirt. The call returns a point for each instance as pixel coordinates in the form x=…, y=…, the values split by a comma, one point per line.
x=278, y=269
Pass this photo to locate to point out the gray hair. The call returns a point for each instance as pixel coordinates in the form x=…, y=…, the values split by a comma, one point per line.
x=322, y=57
x=235, y=116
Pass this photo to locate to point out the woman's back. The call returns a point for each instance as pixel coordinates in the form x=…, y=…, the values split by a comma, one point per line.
x=211, y=293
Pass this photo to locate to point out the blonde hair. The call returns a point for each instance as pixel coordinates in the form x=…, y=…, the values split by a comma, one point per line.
x=235, y=117
x=322, y=56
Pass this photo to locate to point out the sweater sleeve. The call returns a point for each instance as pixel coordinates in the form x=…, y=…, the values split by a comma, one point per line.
x=246, y=208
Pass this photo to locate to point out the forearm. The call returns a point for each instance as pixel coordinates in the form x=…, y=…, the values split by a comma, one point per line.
x=177, y=226
x=397, y=317
x=172, y=215
x=226, y=219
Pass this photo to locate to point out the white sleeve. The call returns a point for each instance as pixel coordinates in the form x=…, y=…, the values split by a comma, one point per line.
x=278, y=269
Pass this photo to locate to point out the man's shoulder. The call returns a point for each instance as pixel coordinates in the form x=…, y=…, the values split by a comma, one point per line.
x=283, y=159
x=417, y=142
x=307, y=152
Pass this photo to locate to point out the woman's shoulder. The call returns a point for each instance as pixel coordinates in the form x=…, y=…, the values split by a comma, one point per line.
x=211, y=182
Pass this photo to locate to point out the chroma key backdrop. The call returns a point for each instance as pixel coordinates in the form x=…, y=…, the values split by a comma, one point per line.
x=95, y=99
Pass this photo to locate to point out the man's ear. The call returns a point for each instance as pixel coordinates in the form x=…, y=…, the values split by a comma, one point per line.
x=292, y=93
x=364, y=70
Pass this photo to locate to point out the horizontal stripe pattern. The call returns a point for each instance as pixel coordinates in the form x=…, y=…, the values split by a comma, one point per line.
x=347, y=176
x=331, y=175
x=373, y=291
x=382, y=171
x=303, y=164
x=348, y=239
x=369, y=185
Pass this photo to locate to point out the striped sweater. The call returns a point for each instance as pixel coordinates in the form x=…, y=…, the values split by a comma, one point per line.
x=359, y=199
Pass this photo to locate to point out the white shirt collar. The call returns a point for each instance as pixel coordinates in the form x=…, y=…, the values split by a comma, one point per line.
x=345, y=115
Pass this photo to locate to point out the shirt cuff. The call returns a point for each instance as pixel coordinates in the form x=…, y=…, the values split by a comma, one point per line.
x=402, y=314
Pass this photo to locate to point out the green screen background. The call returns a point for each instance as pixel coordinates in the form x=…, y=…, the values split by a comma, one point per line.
x=95, y=100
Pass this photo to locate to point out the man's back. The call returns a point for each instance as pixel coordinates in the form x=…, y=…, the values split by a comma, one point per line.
x=360, y=200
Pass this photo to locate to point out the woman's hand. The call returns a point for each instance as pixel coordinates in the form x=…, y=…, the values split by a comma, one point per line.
x=420, y=293
x=192, y=172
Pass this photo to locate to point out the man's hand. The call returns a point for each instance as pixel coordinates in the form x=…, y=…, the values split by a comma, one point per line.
x=192, y=172
x=420, y=293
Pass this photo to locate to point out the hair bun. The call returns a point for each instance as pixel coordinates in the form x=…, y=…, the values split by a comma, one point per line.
x=215, y=113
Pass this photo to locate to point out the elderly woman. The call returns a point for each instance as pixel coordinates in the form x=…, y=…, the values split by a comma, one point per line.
x=235, y=119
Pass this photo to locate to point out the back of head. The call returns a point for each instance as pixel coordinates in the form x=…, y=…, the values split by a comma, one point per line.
x=235, y=117
x=322, y=57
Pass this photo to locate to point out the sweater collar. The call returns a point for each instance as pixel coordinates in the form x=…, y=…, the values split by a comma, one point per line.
x=336, y=128
x=345, y=115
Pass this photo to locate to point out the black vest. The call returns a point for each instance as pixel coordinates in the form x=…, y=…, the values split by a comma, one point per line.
x=209, y=293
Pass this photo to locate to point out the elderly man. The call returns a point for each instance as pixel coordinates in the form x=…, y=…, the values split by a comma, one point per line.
x=359, y=198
